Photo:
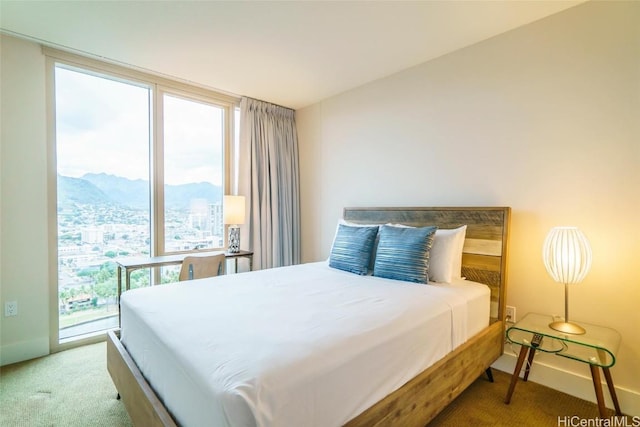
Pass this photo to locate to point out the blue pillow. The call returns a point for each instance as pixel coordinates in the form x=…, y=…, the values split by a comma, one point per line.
x=403, y=253
x=352, y=248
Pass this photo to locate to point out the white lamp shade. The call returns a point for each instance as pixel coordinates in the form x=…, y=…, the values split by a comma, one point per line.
x=233, y=210
x=566, y=254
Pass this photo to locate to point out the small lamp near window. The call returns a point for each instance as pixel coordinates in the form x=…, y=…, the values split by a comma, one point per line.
x=234, y=216
x=567, y=258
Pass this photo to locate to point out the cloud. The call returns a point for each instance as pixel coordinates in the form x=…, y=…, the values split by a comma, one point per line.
x=102, y=125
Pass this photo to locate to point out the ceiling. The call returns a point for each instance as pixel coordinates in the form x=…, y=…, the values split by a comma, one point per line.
x=290, y=53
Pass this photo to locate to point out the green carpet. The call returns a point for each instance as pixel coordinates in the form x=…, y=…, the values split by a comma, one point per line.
x=73, y=388
x=70, y=388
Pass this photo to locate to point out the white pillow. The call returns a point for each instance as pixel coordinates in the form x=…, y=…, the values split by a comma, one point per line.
x=446, y=254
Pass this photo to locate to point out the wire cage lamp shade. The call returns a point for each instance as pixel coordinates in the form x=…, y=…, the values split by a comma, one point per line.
x=567, y=257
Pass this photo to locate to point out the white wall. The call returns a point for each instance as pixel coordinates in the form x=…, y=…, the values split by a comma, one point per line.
x=544, y=119
x=23, y=215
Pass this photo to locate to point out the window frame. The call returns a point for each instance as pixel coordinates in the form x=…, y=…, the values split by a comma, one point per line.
x=158, y=86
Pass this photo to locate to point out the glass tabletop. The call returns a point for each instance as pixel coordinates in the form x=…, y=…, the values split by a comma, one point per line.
x=598, y=346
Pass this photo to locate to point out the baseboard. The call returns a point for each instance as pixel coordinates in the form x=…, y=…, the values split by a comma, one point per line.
x=571, y=383
x=24, y=350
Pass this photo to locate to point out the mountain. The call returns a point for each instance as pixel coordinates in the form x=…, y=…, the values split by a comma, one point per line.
x=77, y=190
x=180, y=196
x=115, y=190
x=131, y=193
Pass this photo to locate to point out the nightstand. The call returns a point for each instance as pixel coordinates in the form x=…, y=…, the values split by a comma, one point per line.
x=597, y=348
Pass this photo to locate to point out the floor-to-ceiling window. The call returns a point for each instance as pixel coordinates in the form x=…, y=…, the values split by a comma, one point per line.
x=140, y=170
x=103, y=203
x=193, y=174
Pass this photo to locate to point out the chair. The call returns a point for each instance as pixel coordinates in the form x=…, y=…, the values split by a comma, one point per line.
x=198, y=267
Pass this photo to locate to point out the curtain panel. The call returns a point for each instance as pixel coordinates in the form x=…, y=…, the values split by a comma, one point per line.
x=269, y=147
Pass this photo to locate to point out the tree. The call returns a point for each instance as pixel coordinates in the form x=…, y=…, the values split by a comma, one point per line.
x=106, y=290
x=106, y=272
x=139, y=279
x=170, y=276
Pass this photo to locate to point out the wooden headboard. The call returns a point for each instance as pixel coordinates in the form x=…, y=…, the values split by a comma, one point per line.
x=484, y=257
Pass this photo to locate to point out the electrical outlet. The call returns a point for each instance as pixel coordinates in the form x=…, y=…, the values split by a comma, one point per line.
x=511, y=314
x=11, y=308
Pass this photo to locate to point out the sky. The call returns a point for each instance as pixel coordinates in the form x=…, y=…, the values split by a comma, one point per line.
x=102, y=126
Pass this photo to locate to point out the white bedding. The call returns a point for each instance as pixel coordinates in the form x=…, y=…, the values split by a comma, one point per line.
x=303, y=345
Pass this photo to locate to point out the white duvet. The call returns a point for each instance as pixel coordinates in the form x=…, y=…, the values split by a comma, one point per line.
x=306, y=345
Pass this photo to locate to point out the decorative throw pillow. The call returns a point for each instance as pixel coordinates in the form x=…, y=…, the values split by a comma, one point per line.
x=352, y=248
x=403, y=253
x=375, y=244
x=446, y=254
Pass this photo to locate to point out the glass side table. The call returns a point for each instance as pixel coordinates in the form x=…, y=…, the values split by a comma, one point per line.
x=597, y=348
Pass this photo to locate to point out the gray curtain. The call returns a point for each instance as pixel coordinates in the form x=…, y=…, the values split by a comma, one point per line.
x=270, y=144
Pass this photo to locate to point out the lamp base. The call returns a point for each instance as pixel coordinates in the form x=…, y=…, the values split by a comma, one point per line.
x=234, y=239
x=567, y=328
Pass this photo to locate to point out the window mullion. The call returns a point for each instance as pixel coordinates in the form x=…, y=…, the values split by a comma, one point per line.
x=157, y=178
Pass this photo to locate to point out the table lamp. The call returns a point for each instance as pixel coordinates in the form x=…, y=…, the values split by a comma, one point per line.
x=234, y=216
x=567, y=258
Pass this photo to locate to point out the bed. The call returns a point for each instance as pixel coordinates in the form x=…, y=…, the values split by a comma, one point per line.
x=406, y=390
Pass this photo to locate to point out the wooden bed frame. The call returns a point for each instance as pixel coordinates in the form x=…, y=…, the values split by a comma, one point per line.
x=422, y=398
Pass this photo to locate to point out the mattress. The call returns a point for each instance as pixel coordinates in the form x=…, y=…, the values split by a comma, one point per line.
x=301, y=345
